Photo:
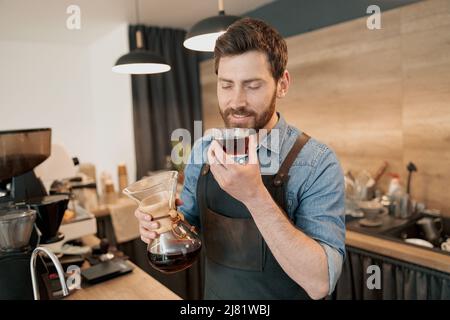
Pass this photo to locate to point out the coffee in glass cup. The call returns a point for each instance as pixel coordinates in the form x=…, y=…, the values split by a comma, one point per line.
x=234, y=141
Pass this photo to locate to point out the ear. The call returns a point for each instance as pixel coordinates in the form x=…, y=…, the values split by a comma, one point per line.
x=283, y=84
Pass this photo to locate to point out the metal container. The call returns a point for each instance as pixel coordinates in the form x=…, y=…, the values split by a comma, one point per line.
x=16, y=226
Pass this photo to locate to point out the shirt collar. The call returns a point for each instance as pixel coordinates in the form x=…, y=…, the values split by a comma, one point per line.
x=271, y=143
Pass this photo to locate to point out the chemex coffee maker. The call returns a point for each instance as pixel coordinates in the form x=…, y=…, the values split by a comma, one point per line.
x=178, y=245
x=29, y=217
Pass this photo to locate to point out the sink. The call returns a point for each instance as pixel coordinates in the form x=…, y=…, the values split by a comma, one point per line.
x=412, y=230
x=388, y=223
x=398, y=230
x=409, y=230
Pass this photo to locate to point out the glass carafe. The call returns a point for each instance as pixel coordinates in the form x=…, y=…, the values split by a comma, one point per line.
x=177, y=245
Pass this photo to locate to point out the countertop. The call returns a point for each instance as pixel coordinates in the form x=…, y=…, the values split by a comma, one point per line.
x=137, y=285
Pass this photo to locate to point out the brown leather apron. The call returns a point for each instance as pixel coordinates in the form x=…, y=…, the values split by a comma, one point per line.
x=238, y=263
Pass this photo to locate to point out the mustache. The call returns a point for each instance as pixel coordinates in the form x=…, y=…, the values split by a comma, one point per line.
x=239, y=112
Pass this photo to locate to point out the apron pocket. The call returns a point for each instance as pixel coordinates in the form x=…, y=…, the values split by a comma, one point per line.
x=233, y=242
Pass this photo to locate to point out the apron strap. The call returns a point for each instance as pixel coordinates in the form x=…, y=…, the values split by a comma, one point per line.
x=282, y=174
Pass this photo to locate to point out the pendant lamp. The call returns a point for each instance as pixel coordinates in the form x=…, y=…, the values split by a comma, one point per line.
x=140, y=61
x=203, y=35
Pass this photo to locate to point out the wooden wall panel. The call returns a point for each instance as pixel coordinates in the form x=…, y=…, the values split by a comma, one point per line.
x=426, y=99
x=373, y=95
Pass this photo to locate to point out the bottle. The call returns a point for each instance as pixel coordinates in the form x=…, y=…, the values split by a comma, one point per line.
x=123, y=177
x=397, y=196
x=394, y=185
x=110, y=195
x=104, y=178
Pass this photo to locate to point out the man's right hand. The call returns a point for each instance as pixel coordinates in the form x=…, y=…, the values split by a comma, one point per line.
x=147, y=225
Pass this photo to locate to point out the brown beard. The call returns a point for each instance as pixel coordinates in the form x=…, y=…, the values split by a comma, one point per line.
x=259, y=120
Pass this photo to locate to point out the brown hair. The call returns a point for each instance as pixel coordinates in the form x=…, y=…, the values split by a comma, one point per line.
x=249, y=34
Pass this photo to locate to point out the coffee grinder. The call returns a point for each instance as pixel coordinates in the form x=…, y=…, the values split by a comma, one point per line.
x=24, y=204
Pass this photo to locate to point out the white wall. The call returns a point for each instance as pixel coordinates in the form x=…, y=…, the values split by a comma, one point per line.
x=112, y=104
x=71, y=89
x=48, y=85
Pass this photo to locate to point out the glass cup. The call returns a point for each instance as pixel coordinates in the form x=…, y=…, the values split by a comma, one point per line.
x=234, y=141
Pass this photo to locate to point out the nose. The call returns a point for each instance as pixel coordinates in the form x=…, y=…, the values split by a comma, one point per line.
x=239, y=99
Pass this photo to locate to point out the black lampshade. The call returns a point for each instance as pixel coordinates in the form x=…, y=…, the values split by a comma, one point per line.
x=140, y=61
x=203, y=35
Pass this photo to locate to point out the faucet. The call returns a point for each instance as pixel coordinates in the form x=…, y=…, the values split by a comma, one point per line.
x=58, y=267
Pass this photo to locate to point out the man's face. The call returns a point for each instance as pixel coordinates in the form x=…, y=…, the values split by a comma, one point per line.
x=246, y=90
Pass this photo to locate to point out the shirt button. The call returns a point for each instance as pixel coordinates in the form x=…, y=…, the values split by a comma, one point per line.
x=289, y=203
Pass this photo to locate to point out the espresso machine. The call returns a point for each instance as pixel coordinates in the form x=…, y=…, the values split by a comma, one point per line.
x=28, y=215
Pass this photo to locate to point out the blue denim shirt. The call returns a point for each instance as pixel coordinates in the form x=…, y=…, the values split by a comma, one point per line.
x=315, y=190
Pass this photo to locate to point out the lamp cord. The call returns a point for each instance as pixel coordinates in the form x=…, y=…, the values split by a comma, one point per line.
x=221, y=9
x=139, y=38
x=136, y=6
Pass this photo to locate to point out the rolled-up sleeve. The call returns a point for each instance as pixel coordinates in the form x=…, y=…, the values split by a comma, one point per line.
x=189, y=208
x=321, y=211
x=335, y=261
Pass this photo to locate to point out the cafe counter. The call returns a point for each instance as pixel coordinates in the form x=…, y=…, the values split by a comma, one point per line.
x=137, y=285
